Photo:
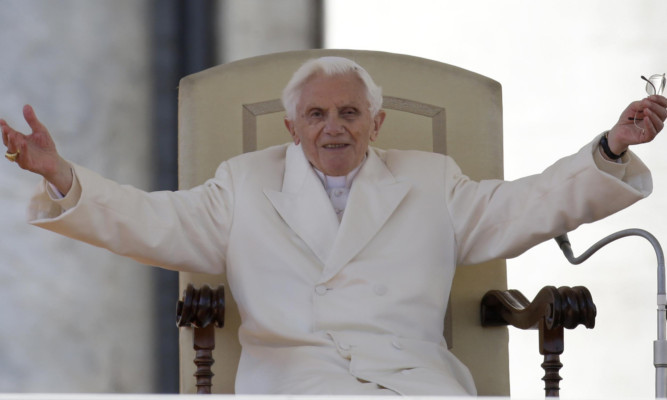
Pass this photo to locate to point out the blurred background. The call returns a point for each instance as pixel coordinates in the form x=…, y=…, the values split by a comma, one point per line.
x=103, y=76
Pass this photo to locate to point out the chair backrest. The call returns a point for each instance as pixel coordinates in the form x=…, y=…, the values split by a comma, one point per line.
x=235, y=108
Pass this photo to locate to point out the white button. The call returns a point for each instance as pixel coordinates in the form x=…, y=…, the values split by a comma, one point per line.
x=397, y=344
x=380, y=289
x=338, y=192
x=345, y=346
x=321, y=290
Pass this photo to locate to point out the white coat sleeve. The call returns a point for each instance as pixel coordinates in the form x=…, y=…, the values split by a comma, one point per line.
x=499, y=219
x=183, y=230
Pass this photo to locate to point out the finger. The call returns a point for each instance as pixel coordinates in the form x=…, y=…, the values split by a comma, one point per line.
x=633, y=113
x=31, y=119
x=634, y=107
x=659, y=108
x=658, y=99
x=15, y=141
x=653, y=122
x=653, y=103
x=654, y=117
x=4, y=127
x=650, y=127
x=10, y=137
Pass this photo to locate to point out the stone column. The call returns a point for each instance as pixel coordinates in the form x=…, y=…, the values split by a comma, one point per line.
x=254, y=27
x=74, y=316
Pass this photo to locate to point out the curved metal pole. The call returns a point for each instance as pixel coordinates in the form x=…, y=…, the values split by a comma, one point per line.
x=659, y=345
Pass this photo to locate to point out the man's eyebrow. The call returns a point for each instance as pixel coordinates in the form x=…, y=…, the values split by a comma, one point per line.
x=309, y=107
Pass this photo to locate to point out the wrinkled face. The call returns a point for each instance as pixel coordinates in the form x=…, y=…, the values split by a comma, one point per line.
x=333, y=123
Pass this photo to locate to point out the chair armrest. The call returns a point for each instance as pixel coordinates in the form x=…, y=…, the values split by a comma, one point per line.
x=563, y=307
x=200, y=307
x=550, y=312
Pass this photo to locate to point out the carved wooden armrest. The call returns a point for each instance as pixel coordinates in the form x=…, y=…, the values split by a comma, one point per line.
x=551, y=311
x=202, y=309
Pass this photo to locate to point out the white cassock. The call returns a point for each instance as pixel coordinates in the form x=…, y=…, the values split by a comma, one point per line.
x=354, y=306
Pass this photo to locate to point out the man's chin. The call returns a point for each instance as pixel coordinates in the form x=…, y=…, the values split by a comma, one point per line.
x=340, y=165
x=337, y=170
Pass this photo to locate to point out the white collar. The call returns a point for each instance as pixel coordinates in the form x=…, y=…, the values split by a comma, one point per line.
x=335, y=182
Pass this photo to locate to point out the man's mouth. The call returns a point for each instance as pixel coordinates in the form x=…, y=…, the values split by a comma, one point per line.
x=334, y=146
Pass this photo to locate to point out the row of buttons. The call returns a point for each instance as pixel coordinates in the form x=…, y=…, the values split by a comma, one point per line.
x=379, y=289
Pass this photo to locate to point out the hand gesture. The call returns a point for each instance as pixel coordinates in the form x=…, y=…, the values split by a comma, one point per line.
x=640, y=122
x=36, y=152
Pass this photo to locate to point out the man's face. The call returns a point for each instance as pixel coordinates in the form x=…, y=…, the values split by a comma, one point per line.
x=333, y=123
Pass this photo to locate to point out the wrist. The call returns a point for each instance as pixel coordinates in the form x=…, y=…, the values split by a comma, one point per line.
x=62, y=177
x=614, y=145
x=610, y=149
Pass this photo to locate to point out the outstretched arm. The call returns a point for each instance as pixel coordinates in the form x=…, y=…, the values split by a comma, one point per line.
x=37, y=152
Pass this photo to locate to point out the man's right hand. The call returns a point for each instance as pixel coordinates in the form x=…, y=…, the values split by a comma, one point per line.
x=37, y=152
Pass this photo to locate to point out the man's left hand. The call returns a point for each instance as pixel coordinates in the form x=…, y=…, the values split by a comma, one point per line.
x=650, y=114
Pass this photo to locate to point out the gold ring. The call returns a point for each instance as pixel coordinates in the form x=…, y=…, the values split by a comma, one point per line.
x=11, y=156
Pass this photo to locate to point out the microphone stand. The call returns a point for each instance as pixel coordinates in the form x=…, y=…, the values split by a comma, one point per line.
x=659, y=345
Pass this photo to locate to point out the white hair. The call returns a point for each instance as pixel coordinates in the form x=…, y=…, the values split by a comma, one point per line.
x=329, y=66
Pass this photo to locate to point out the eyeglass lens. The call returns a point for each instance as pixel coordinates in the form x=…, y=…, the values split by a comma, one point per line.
x=655, y=84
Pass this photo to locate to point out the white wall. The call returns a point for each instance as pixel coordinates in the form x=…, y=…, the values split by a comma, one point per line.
x=568, y=68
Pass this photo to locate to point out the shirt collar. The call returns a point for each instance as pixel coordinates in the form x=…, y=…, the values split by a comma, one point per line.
x=335, y=182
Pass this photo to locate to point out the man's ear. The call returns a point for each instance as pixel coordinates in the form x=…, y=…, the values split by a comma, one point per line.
x=289, y=124
x=377, y=124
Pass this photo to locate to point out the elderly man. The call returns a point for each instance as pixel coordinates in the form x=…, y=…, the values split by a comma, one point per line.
x=340, y=255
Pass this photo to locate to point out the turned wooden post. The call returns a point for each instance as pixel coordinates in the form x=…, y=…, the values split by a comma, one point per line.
x=204, y=343
x=203, y=310
x=551, y=347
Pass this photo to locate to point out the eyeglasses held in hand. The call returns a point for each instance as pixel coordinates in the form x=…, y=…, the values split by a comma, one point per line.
x=655, y=84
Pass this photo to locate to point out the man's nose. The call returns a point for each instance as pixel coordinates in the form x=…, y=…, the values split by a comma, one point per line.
x=333, y=125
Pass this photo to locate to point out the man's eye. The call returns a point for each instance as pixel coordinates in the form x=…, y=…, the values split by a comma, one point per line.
x=315, y=114
x=350, y=112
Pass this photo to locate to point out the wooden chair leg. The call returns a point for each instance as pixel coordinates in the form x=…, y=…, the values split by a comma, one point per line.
x=204, y=343
x=551, y=346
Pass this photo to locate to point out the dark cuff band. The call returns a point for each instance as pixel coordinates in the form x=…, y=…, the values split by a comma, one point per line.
x=605, y=147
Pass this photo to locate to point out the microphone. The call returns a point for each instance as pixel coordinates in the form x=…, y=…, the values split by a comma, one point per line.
x=659, y=345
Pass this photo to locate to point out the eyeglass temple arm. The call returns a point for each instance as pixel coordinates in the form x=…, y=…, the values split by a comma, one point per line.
x=650, y=83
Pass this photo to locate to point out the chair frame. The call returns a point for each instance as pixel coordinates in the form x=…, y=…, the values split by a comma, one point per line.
x=453, y=116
